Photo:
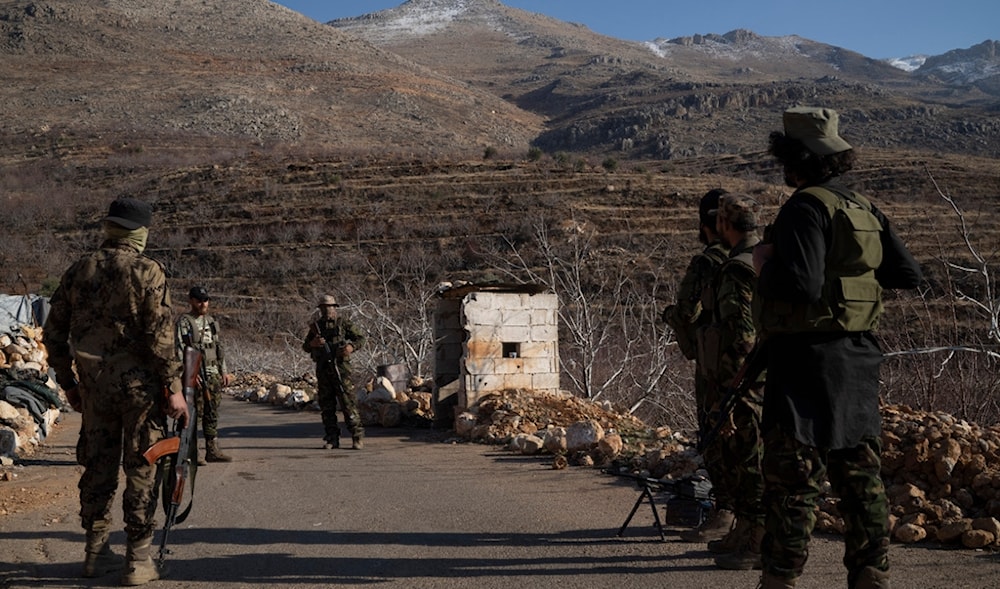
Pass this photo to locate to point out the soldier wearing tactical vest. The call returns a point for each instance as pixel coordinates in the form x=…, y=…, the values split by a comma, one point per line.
x=727, y=341
x=819, y=293
x=330, y=342
x=687, y=317
x=201, y=330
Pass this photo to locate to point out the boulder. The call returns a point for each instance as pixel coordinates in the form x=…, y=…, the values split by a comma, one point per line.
x=583, y=435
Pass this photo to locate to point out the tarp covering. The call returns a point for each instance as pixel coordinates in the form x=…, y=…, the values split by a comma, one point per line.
x=17, y=310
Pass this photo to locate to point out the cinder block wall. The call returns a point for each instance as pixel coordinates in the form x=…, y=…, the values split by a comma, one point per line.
x=513, y=342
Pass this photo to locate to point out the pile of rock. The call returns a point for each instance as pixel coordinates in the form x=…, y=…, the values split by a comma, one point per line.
x=380, y=403
x=942, y=474
x=29, y=398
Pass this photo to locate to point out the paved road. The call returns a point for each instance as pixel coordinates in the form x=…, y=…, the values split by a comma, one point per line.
x=410, y=511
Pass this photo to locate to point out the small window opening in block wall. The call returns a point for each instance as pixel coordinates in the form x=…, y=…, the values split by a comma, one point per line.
x=511, y=350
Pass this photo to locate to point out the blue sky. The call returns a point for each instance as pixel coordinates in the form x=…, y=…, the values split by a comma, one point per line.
x=875, y=28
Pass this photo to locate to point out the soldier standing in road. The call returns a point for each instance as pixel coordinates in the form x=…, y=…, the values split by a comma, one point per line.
x=728, y=342
x=330, y=341
x=201, y=331
x=111, y=321
x=687, y=317
x=819, y=290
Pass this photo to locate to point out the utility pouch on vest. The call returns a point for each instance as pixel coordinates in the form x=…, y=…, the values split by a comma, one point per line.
x=852, y=296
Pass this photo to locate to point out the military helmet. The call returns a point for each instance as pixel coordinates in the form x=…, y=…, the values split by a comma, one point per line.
x=327, y=301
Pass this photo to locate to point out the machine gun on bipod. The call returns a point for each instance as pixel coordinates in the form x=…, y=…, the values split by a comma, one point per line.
x=689, y=499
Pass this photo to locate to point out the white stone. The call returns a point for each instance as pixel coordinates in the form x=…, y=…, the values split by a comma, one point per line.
x=526, y=444
x=583, y=435
x=382, y=391
x=464, y=424
x=9, y=442
x=554, y=439
x=278, y=393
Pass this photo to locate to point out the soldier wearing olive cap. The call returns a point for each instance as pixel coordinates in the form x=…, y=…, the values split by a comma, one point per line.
x=820, y=279
x=110, y=340
x=330, y=341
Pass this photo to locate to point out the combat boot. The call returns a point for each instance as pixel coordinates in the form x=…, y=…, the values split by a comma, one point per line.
x=213, y=453
x=769, y=581
x=872, y=578
x=139, y=566
x=732, y=541
x=359, y=443
x=99, y=560
x=716, y=526
x=747, y=557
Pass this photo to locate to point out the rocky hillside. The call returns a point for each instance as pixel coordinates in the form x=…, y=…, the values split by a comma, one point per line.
x=977, y=66
x=697, y=95
x=246, y=71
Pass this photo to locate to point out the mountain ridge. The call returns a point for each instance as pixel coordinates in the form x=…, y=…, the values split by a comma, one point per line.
x=679, y=97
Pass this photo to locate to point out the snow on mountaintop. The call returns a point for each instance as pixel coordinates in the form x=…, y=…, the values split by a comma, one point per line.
x=416, y=18
x=907, y=64
x=733, y=45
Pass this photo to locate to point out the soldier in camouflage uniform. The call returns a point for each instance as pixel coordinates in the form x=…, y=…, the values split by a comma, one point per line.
x=111, y=321
x=728, y=341
x=820, y=279
x=200, y=329
x=330, y=341
x=687, y=317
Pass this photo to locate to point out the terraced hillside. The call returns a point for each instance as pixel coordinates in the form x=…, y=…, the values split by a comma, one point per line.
x=267, y=232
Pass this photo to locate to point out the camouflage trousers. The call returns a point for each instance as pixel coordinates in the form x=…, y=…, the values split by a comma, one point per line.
x=208, y=405
x=331, y=392
x=723, y=482
x=742, y=455
x=733, y=461
x=122, y=417
x=793, y=474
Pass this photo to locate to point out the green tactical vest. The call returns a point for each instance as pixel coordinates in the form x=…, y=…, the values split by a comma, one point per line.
x=204, y=338
x=852, y=297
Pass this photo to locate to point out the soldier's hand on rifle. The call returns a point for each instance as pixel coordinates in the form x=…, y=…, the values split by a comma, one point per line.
x=317, y=341
x=728, y=426
x=346, y=350
x=176, y=406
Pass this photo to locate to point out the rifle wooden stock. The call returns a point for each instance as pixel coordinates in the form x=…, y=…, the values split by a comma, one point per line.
x=175, y=453
x=164, y=447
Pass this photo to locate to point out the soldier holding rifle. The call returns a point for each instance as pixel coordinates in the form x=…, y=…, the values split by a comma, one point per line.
x=330, y=341
x=111, y=342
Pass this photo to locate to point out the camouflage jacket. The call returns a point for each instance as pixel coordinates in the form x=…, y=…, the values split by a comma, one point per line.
x=112, y=304
x=203, y=333
x=733, y=287
x=337, y=332
x=686, y=316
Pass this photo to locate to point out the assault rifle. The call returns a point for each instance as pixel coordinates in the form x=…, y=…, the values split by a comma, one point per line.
x=330, y=355
x=752, y=367
x=693, y=491
x=177, y=455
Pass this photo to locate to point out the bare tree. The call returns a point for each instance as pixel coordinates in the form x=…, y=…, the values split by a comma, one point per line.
x=611, y=346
